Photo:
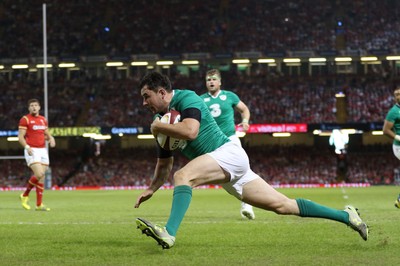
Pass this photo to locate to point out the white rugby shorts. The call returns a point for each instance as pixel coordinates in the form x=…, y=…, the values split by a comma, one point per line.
x=40, y=155
x=396, y=151
x=235, y=139
x=233, y=159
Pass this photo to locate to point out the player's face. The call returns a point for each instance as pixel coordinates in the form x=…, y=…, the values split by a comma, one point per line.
x=34, y=108
x=213, y=84
x=397, y=95
x=154, y=101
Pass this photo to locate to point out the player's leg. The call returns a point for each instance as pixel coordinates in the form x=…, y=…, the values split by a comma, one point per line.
x=396, y=152
x=24, y=197
x=40, y=170
x=397, y=202
x=32, y=182
x=246, y=211
x=260, y=194
x=44, y=157
x=40, y=189
x=201, y=170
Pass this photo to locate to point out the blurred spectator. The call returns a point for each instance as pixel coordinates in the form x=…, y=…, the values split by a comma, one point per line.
x=276, y=164
x=115, y=28
x=107, y=102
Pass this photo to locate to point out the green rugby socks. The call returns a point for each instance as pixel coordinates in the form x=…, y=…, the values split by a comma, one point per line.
x=180, y=203
x=312, y=209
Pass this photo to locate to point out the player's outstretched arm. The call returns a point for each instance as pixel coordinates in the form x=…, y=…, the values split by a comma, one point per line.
x=145, y=195
x=161, y=174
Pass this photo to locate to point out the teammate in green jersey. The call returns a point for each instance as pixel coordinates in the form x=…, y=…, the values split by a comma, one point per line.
x=214, y=159
x=222, y=105
x=391, y=128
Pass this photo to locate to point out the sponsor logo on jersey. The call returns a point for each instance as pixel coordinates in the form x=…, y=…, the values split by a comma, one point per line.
x=182, y=144
x=206, y=99
x=39, y=127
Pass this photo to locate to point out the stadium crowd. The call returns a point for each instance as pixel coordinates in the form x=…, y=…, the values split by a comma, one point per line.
x=122, y=28
x=215, y=26
x=276, y=164
x=107, y=102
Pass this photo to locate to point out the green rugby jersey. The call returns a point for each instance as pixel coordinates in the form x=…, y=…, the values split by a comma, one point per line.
x=394, y=116
x=210, y=136
x=222, y=109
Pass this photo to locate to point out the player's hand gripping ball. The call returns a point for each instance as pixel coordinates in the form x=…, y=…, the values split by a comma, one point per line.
x=166, y=142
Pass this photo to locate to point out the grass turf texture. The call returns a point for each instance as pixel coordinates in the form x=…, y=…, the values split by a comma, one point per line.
x=98, y=228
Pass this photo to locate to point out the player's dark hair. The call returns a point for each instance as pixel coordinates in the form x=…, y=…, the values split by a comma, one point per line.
x=155, y=80
x=33, y=101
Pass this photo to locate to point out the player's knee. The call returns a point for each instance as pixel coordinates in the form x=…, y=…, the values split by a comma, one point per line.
x=181, y=178
x=280, y=210
x=286, y=207
x=39, y=175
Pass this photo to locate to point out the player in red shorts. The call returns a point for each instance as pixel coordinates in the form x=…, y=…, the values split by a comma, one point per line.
x=32, y=135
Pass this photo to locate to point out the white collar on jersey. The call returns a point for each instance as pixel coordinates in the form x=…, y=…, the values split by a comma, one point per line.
x=212, y=96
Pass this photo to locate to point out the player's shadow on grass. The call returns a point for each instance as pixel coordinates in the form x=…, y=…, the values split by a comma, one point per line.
x=147, y=246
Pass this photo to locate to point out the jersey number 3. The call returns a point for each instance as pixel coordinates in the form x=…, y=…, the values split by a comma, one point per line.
x=215, y=110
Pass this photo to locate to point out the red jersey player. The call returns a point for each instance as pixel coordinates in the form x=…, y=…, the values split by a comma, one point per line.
x=32, y=134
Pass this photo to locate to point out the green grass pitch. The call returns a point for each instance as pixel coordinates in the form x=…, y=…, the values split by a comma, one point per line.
x=98, y=228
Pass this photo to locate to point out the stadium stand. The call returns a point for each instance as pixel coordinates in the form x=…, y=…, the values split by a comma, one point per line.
x=120, y=29
x=276, y=164
x=104, y=102
x=124, y=27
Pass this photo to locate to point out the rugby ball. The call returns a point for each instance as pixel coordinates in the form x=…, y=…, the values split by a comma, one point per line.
x=166, y=142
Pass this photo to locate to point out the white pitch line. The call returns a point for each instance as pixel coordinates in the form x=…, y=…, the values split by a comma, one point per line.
x=345, y=196
x=59, y=223
x=259, y=222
